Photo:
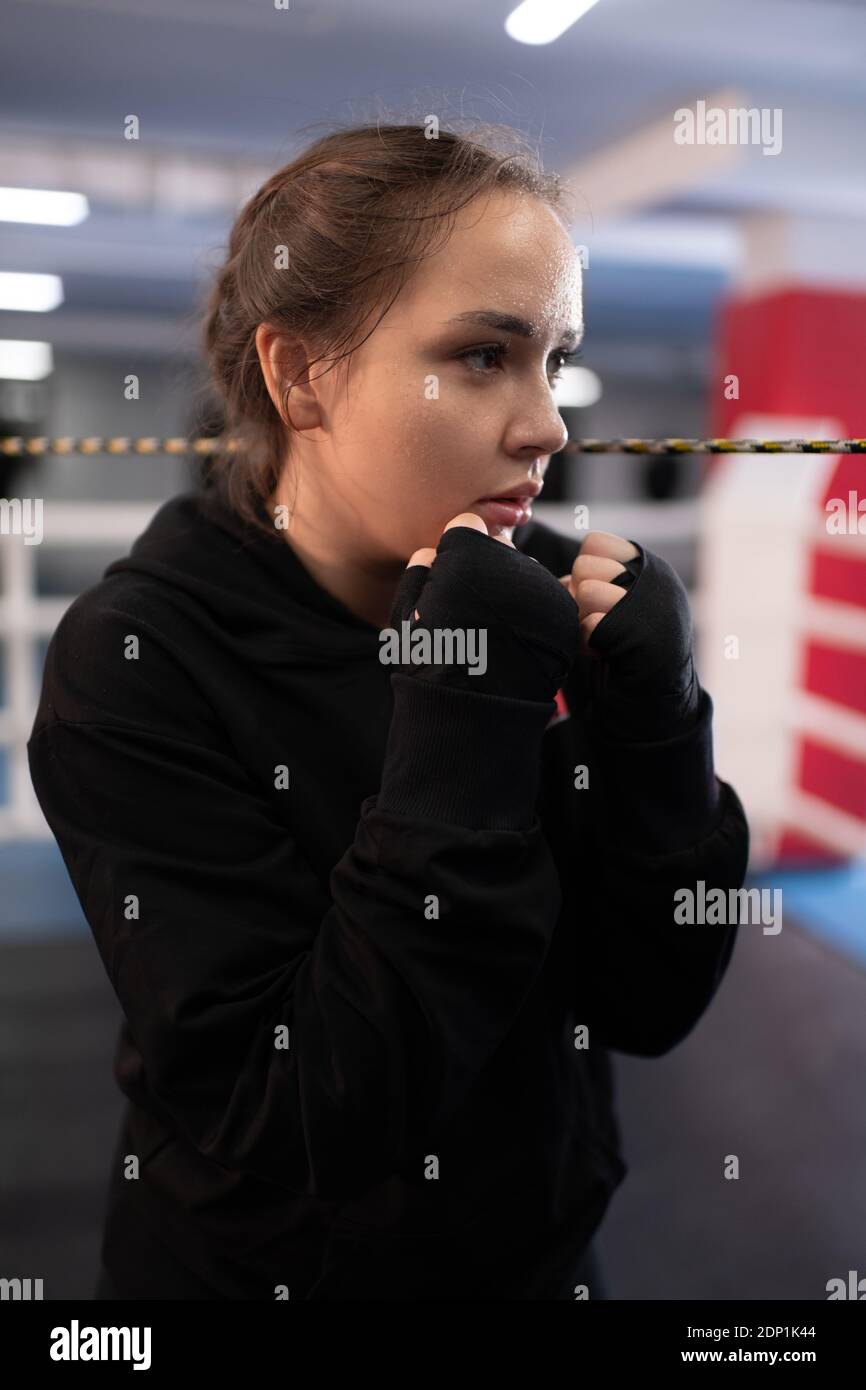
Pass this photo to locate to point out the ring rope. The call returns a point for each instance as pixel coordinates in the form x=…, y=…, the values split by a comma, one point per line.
x=16, y=446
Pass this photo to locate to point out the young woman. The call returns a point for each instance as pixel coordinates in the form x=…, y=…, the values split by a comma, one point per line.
x=374, y=911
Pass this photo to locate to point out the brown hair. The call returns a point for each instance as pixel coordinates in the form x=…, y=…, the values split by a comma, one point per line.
x=325, y=240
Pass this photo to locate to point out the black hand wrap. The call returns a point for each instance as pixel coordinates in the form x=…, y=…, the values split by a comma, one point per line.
x=530, y=621
x=645, y=687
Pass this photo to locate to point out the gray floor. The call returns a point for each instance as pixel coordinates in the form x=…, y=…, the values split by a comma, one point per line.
x=774, y=1073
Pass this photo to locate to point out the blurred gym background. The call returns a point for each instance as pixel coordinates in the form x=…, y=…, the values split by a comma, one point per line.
x=725, y=293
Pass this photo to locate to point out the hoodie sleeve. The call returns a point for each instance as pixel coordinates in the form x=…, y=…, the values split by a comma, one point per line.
x=310, y=1049
x=661, y=821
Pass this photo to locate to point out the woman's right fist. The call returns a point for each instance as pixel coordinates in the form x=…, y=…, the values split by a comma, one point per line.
x=426, y=555
x=479, y=593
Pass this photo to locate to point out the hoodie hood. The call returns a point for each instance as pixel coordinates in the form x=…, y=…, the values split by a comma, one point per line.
x=249, y=585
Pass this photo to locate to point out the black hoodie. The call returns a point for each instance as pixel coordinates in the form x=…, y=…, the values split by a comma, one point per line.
x=372, y=938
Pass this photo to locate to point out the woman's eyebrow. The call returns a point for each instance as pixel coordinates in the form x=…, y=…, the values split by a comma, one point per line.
x=510, y=323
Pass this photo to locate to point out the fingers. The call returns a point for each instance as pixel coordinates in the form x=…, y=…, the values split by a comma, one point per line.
x=425, y=556
x=595, y=567
x=589, y=583
x=595, y=596
x=478, y=524
x=467, y=519
x=412, y=581
x=591, y=586
x=606, y=544
x=588, y=626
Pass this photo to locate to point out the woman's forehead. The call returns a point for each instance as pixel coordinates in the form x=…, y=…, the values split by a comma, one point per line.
x=516, y=257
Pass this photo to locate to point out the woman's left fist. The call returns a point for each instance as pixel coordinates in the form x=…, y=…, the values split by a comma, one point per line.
x=602, y=559
x=635, y=616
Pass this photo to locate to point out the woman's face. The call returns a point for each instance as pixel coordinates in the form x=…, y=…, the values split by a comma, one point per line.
x=439, y=407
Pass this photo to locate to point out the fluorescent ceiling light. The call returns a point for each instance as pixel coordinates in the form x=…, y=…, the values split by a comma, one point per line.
x=36, y=293
x=683, y=240
x=43, y=205
x=542, y=21
x=577, y=386
x=23, y=361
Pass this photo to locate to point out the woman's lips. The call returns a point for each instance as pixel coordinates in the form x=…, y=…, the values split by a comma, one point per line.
x=503, y=512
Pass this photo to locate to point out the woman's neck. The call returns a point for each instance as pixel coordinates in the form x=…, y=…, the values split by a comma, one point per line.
x=365, y=587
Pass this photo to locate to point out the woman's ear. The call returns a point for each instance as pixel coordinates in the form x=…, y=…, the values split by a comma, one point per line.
x=284, y=362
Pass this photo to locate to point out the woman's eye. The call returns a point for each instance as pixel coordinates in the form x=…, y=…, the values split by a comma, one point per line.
x=491, y=355
x=560, y=358
x=566, y=359
x=494, y=350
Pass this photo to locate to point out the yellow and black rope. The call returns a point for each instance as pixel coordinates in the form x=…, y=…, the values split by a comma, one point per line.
x=715, y=446
x=16, y=446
